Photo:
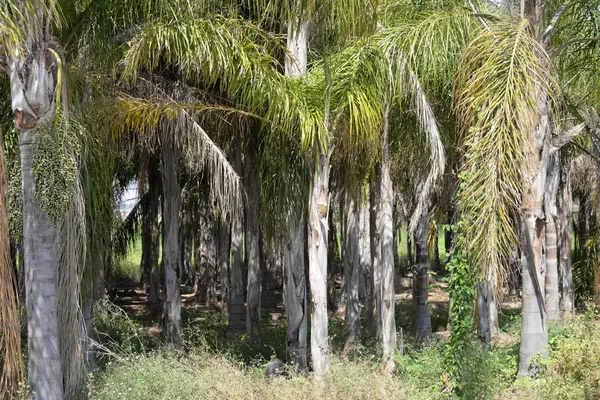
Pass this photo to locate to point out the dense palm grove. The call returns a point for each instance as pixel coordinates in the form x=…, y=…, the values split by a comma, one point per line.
x=320, y=152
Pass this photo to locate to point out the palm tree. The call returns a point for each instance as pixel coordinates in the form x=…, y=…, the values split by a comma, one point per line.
x=35, y=73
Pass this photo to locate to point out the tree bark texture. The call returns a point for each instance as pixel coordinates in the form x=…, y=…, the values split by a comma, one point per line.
x=421, y=279
x=206, y=249
x=252, y=180
x=295, y=295
x=352, y=274
x=551, y=214
x=317, y=264
x=237, y=310
x=171, y=249
x=565, y=228
x=151, y=230
x=223, y=249
x=534, y=330
x=40, y=252
x=32, y=87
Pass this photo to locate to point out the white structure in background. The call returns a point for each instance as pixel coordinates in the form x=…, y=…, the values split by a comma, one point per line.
x=129, y=199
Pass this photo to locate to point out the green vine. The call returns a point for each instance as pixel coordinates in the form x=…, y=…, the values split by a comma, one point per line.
x=461, y=289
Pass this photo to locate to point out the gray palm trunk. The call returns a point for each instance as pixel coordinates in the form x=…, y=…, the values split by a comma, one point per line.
x=237, y=310
x=352, y=274
x=171, y=256
x=565, y=212
x=206, y=261
x=365, y=259
x=487, y=310
x=32, y=88
x=223, y=249
x=295, y=267
x=552, y=284
x=317, y=264
x=252, y=180
x=374, y=215
x=386, y=232
x=421, y=279
x=295, y=296
x=186, y=237
x=151, y=232
x=534, y=330
x=483, y=312
x=40, y=252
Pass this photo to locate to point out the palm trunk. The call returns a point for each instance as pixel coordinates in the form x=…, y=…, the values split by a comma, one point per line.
x=237, y=310
x=421, y=279
x=186, y=238
x=150, y=231
x=295, y=296
x=483, y=312
x=565, y=212
x=534, y=331
x=397, y=239
x=386, y=236
x=251, y=170
x=365, y=258
x=317, y=264
x=375, y=198
x=332, y=262
x=351, y=275
x=206, y=250
x=40, y=255
x=551, y=214
x=223, y=249
x=171, y=250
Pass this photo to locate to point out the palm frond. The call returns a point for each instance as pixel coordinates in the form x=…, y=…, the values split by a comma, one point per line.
x=431, y=41
x=496, y=95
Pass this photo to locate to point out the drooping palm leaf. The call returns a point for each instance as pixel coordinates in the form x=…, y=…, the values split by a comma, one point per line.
x=496, y=94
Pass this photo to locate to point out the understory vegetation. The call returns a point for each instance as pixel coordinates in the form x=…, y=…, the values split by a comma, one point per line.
x=134, y=366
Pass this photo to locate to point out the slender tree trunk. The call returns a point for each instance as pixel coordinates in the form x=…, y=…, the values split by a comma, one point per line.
x=237, y=310
x=251, y=170
x=493, y=306
x=386, y=236
x=317, y=264
x=483, y=312
x=352, y=275
x=397, y=239
x=551, y=214
x=375, y=198
x=365, y=258
x=534, y=331
x=150, y=231
x=332, y=261
x=171, y=250
x=223, y=249
x=565, y=213
x=186, y=238
x=514, y=277
x=409, y=249
x=206, y=249
x=40, y=235
x=295, y=295
x=421, y=279
x=40, y=253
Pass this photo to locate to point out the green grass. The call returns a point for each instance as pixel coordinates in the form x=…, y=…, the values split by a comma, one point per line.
x=128, y=268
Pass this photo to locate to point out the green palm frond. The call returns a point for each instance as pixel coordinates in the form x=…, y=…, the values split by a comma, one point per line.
x=181, y=120
x=496, y=97
x=431, y=41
